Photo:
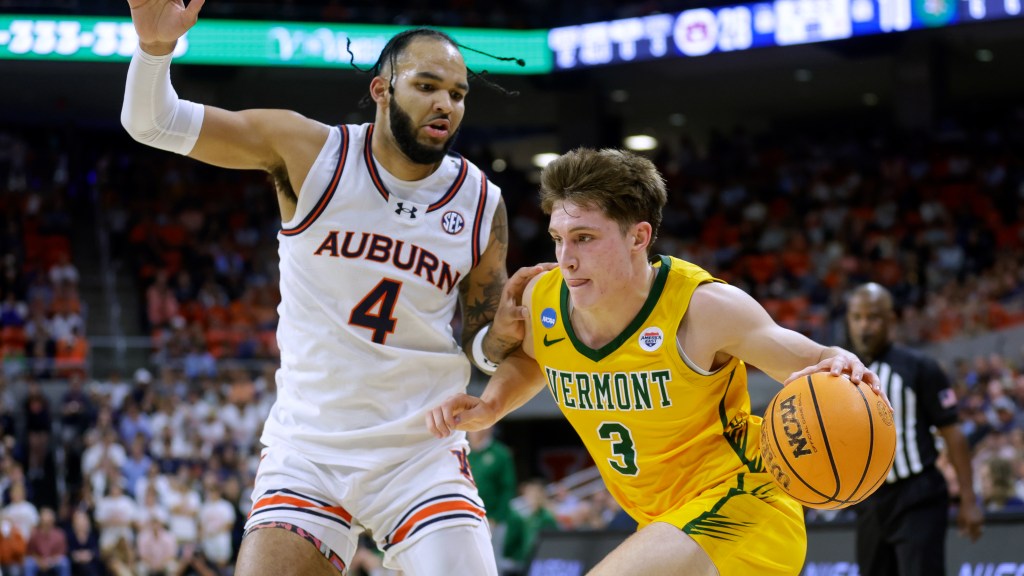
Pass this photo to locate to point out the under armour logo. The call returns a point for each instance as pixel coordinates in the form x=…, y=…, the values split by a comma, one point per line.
x=403, y=210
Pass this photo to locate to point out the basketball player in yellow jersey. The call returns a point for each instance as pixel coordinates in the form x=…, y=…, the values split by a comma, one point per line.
x=645, y=355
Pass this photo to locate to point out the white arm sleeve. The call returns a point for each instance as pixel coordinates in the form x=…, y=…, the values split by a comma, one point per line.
x=152, y=112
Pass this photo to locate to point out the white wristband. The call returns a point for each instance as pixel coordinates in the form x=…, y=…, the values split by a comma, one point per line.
x=152, y=112
x=479, y=358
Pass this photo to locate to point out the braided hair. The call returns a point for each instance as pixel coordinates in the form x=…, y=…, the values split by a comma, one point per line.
x=397, y=45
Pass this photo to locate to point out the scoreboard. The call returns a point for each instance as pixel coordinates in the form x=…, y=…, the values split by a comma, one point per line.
x=702, y=31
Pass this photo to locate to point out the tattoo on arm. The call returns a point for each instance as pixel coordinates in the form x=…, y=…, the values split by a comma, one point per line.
x=499, y=230
x=479, y=307
x=480, y=311
x=497, y=349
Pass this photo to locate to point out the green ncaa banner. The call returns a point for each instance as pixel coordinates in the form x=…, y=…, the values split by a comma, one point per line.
x=255, y=43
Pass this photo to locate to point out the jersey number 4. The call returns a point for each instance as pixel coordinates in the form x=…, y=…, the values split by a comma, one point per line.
x=623, y=448
x=376, y=310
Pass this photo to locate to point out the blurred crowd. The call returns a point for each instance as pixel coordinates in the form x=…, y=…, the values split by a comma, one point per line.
x=150, y=471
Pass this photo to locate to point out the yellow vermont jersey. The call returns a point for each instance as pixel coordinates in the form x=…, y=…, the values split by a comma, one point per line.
x=660, y=431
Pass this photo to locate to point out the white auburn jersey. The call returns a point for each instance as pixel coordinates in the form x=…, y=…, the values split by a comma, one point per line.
x=370, y=268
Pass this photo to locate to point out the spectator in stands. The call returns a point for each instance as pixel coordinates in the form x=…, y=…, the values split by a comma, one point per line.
x=241, y=414
x=41, y=346
x=12, y=547
x=120, y=559
x=115, y=514
x=151, y=506
x=20, y=512
x=40, y=293
x=71, y=354
x=102, y=450
x=114, y=389
x=494, y=472
x=161, y=303
x=47, y=548
x=199, y=361
x=157, y=548
x=77, y=415
x=976, y=425
x=231, y=486
x=66, y=324
x=216, y=521
x=211, y=431
x=593, y=512
x=13, y=312
x=1018, y=464
x=63, y=271
x=997, y=486
x=565, y=505
x=134, y=422
x=38, y=427
x=136, y=465
x=1003, y=417
x=183, y=503
x=524, y=526
x=7, y=407
x=83, y=546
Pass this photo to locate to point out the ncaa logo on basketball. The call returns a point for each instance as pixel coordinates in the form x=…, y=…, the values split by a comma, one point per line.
x=651, y=338
x=453, y=222
x=791, y=426
x=548, y=317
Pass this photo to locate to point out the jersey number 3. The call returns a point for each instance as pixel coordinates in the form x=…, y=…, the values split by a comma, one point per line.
x=376, y=310
x=623, y=448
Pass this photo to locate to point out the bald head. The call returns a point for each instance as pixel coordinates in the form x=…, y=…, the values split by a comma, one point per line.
x=869, y=317
x=873, y=292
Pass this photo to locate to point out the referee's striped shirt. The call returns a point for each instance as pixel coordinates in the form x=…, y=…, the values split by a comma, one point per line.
x=921, y=398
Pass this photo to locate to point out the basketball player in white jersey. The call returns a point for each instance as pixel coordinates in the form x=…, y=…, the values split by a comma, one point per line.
x=384, y=232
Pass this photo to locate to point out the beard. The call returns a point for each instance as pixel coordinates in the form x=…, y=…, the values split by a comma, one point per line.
x=404, y=133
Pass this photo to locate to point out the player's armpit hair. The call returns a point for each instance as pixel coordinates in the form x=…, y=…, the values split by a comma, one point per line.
x=278, y=176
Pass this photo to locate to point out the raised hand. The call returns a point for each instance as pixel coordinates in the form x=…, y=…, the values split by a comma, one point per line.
x=159, y=23
x=508, y=327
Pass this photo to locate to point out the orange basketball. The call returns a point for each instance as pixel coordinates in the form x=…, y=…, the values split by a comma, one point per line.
x=827, y=442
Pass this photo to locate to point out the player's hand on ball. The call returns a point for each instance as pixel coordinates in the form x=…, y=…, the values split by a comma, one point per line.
x=844, y=362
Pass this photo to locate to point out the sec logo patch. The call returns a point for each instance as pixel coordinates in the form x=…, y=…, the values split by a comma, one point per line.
x=548, y=317
x=651, y=338
x=453, y=222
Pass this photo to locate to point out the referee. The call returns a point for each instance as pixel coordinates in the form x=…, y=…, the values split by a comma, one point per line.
x=901, y=528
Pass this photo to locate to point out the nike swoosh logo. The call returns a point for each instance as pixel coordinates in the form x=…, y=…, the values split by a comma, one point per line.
x=550, y=342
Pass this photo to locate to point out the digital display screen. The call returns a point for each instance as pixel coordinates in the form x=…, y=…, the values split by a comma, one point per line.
x=250, y=43
x=690, y=33
x=702, y=31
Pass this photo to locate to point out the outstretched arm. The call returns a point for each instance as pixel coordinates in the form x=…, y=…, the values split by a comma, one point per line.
x=516, y=380
x=723, y=319
x=153, y=114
